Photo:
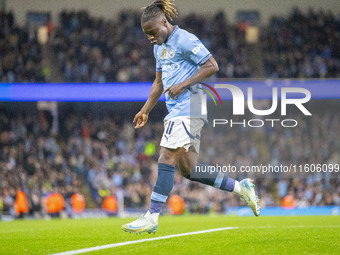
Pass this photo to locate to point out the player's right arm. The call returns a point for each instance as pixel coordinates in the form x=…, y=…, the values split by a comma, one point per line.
x=156, y=91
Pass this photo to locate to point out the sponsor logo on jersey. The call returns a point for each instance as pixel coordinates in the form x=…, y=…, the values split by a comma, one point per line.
x=168, y=70
x=197, y=48
x=170, y=67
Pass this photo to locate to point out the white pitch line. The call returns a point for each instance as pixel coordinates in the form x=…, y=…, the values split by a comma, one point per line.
x=295, y=226
x=107, y=246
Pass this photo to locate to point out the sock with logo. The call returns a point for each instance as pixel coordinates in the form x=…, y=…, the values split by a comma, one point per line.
x=162, y=189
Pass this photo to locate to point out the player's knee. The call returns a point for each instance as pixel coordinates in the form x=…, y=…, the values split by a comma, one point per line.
x=167, y=157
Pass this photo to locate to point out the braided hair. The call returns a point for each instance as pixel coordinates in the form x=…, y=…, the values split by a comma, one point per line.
x=167, y=7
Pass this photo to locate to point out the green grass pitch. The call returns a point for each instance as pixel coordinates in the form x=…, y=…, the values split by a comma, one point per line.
x=262, y=235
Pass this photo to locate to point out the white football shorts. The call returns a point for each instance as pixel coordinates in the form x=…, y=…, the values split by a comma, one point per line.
x=182, y=132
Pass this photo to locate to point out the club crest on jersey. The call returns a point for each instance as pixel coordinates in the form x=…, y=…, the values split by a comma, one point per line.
x=171, y=53
x=164, y=54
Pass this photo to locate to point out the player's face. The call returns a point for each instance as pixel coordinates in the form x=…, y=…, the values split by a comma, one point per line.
x=156, y=30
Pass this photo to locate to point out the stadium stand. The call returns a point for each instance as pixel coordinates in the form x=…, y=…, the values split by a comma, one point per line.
x=31, y=162
x=96, y=50
x=111, y=157
x=90, y=49
x=303, y=45
x=117, y=159
x=21, y=57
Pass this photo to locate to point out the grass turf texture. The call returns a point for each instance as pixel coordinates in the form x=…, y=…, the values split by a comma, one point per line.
x=262, y=235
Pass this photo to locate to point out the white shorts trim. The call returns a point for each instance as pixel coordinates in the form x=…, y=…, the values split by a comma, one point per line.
x=182, y=132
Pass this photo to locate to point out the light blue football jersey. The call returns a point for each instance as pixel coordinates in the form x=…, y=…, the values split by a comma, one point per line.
x=178, y=59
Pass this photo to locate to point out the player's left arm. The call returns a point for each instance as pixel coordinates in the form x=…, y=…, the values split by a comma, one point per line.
x=206, y=70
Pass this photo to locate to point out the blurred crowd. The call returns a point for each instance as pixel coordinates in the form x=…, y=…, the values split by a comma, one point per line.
x=89, y=49
x=302, y=45
x=21, y=57
x=224, y=40
x=95, y=50
x=105, y=153
x=31, y=161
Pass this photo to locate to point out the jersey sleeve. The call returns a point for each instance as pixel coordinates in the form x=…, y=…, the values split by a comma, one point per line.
x=194, y=51
x=158, y=65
